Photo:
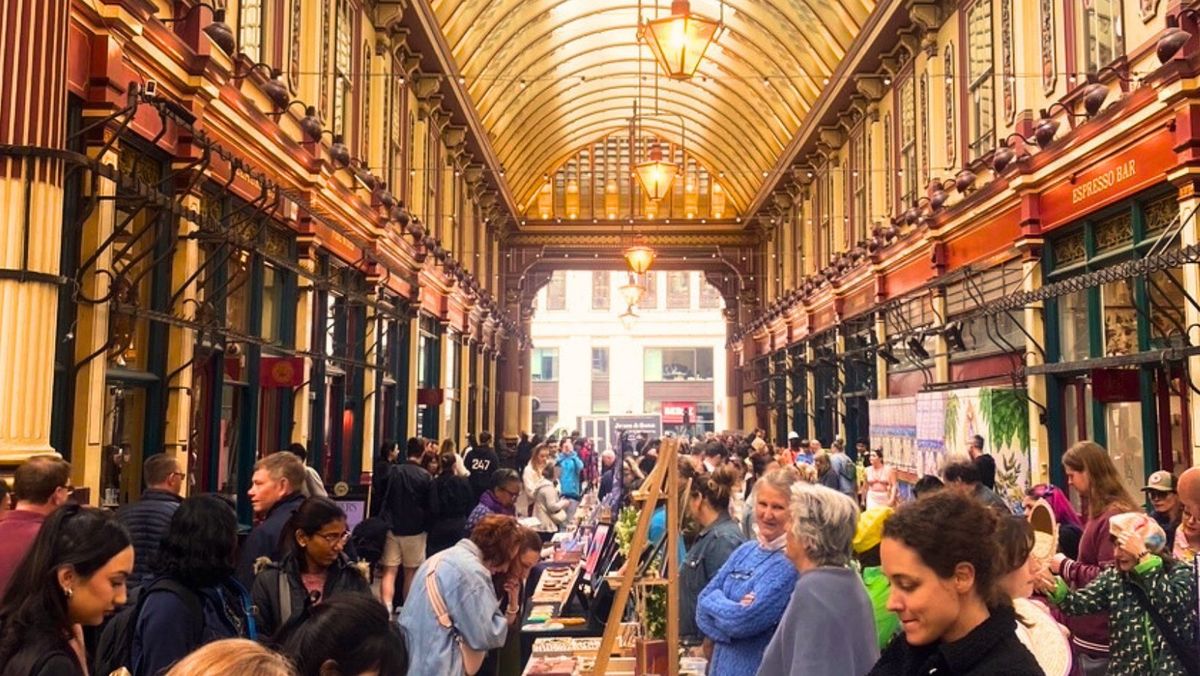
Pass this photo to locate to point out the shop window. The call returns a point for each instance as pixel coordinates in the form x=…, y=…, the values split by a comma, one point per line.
x=1120, y=318
x=1123, y=428
x=710, y=296
x=1069, y=250
x=822, y=206
x=600, y=406
x=887, y=173
x=1167, y=302
x=665, y=364
x=273, y=305
x=1073, y=342
x=1161, y=213
x=1114, y=233
x=556, y=291
x=599, y=363
x=679, y=293
x=859, y=179
x=1102, y=32
x=453, y=380
x=544, y=364
x=980, y=86
x=601, y=290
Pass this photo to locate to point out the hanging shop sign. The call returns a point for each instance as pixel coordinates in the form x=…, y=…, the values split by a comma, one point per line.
x=1109, y=180
x=282, y=371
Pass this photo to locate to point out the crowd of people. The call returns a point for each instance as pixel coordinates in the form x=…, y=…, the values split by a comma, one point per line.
x=797, y=559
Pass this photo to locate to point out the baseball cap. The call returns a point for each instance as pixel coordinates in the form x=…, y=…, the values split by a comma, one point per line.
x=793, y=435
x=1162, y=480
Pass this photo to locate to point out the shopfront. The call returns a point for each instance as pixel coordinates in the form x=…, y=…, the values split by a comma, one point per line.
x=1116, y=373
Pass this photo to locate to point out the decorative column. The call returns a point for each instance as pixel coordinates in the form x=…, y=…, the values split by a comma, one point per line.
x=1033, y=317
x=525, y=420
x=881, y=365
x=482, y=362
x=941, y=350
x=1189, y=234
x=181, y=341
x=510, y=386
x=466, y=380
x=444, y=382
x=370, y=384
x=33, y=105
x=414, y=354
x=91, y=328
x=839, y=403
x=302, y=400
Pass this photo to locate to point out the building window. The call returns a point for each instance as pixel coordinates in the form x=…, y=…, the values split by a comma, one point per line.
x=649, y=299
x=294, y=47
x=250, y=29
x=710, y=296
x=887, y=166
x=544, y=364
x=679, y=291
x=909, y=172
x=688, y=363
x=1102, y=33
x=341, y=68
x=365, y=136
x=601, y=290
x=980, y=88
x=556, y=291
x=859, y=173
x=599, y=363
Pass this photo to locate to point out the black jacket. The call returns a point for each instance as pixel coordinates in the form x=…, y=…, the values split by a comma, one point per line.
x=408, y=498
x=481, y=462
x=264, y=539
x=42, y=656
x=147, y=522
x=991, y=649
x=342, y=577
x=453, y=501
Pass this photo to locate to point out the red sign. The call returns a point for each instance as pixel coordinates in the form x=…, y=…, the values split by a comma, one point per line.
x=282, y=371
x=1109, y=180
x=679, y=412
x=430, y=396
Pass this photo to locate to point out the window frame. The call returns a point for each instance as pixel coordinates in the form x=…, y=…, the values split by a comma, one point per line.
x=980, y=141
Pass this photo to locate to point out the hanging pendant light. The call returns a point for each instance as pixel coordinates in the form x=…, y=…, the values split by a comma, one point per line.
x=680, y=40
x=628, y=318
x=656, y=175
x=640, y=256
x=631, y=292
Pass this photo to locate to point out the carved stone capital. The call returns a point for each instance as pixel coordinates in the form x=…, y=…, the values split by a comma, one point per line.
x=870, y=86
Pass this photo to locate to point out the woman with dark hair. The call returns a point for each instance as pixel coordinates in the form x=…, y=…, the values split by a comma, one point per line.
x=73, y=575
x=452, y=599
x=350, y=634
x=195, y=599
x=389, y=453
x=1017, y=572
x=452, y=500
x=940, y=555
x=313, y=568
x=1093, y=475
x=708, y=504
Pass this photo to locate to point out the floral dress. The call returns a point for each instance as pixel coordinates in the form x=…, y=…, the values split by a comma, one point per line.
x=1138, y=648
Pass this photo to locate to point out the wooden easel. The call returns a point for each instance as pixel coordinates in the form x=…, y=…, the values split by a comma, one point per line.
x=663, y=478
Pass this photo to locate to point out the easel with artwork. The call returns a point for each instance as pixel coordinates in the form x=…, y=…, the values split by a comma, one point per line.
x=663, y=481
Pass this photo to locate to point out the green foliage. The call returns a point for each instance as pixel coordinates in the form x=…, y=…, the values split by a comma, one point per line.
x=626, y=525
x=1007, y=417
x=950, y=433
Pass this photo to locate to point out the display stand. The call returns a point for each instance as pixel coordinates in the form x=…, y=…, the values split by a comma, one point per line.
x=662, y=481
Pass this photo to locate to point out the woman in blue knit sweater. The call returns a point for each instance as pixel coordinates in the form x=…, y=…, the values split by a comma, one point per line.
x=741, y=607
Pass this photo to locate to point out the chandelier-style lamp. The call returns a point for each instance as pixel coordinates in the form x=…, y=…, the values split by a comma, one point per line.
x=640, y=256
x=656, y=175
x=628, y=318
x=631, y=292
x=680, y=40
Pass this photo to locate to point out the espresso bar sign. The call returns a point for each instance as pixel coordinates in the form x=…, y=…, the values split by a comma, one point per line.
x=1098, y=185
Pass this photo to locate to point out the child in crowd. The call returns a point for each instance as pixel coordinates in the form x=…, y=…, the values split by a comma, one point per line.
x=1150, y=598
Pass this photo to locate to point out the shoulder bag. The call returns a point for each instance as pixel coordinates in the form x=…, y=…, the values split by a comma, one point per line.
x=472, y=658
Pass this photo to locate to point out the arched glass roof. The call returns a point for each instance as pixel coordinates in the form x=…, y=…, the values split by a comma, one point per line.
x=547, y=76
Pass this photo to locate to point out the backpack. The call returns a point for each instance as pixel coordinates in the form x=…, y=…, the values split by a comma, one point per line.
x=114, y=649
x=370, y=536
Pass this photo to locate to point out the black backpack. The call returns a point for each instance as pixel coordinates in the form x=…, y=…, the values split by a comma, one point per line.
x=115, y=647
x=370, y=536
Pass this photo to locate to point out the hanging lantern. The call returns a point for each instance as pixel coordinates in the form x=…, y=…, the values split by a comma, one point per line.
x=680, y=40
x=631, y=292
x=640, y=256
x=628, y=318
x=656, y=175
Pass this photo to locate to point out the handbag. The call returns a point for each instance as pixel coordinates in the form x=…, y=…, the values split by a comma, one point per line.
x=1185, y=651
x=472, y=658
x=370, y=536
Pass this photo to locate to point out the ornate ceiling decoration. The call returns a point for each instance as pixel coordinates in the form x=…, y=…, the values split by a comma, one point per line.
x=548, y=76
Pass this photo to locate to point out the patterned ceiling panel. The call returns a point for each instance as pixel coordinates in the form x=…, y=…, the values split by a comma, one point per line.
x=549, y=76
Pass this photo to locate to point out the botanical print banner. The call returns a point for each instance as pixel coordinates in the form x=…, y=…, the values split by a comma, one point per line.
x=923, y=429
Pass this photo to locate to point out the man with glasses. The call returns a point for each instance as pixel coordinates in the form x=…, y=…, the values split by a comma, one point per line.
x=149, y=518
x=41, y=484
